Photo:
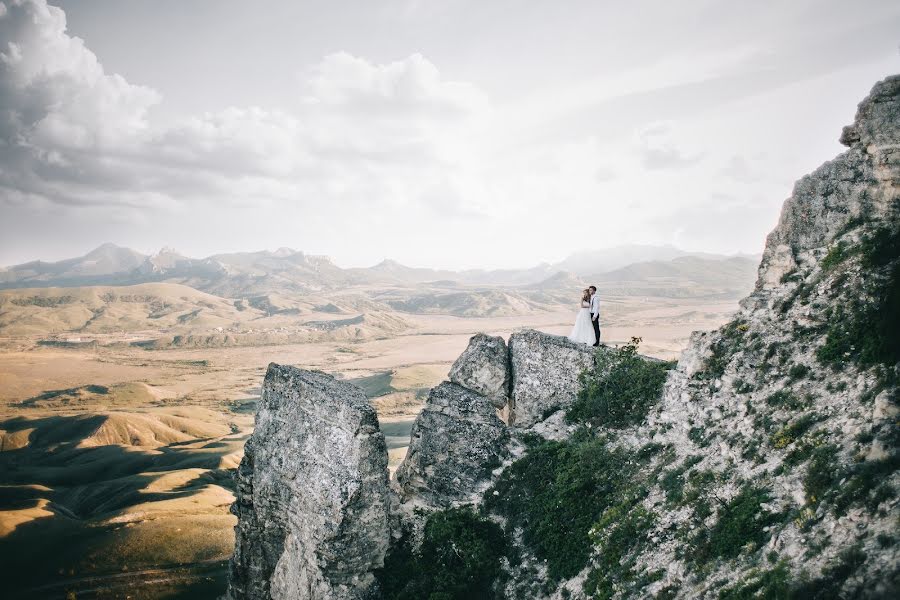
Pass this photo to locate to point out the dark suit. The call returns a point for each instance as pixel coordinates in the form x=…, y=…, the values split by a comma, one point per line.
x=595, y=318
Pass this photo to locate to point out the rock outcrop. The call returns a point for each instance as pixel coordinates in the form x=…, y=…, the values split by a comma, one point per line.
x=456, y=442
x=794, y=399
x=484, y=368
x=768, y=467
x=312, y=496
x=544, y=370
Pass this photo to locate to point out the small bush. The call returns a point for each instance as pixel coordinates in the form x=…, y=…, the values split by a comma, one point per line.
x=833, y=576
x=790, y=433
x=798, y=371
x=618, y=537
x=459, y=559
x=821, y=474
x=785, y=399
x=722, y=349
x=621, y=389
x=555, y=493
x=774, y=583
x=804, y=449
x=742, y=387
x=836, y=255
x=864, y=329
x=696, y=435
x=867, y=484
x=740, y=524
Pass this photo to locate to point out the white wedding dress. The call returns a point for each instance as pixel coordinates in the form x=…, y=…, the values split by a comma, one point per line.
x=583, y=331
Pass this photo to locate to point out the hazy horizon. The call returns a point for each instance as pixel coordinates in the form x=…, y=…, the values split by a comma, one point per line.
x=485, y=267
x=447, y=135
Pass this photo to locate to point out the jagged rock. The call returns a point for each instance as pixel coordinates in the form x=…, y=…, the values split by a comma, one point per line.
x=544, y=370
x=860, y=184
x=484, y=368
x=456, y=441
x=312, y=494
x=877, y=123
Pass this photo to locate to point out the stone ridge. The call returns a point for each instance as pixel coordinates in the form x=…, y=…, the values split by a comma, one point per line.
x=312, y=495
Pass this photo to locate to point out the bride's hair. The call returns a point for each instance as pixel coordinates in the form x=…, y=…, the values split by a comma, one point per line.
x=586, y=295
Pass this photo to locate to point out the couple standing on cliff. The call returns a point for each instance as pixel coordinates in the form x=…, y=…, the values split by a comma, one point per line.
x=587, y=322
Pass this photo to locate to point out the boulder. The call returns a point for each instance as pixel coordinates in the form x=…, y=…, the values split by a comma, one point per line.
x=456, y=442
x=484, y=368
x=544, y=371
x=312, y=496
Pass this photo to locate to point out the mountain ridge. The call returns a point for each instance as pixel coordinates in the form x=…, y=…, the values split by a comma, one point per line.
x=242, y=273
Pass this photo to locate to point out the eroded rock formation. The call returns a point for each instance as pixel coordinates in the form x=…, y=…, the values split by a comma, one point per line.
x=545, y=370
x=312, y=495
x=484, y=368
x=457, y=441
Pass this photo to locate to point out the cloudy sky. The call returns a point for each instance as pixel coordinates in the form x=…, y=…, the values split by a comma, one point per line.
x=447, y=133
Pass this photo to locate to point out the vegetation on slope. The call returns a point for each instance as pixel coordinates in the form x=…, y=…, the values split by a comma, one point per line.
x=459, y=559
x=556, y=493
x=867, y=328
x=620, y=390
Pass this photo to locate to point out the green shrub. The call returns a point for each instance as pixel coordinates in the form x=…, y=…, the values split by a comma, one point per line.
x=742, y=387
x=774, y=584
x=804, y=448
x=786, y=399
x=867, y=484
x=459, y=559
x=865, y=330
x=864, y=483
x=836, y=255
x=833, y=577
x=556, y=492
x=790, y=433
x=721, y=351
x=798, y=371
x=621, y=389
x=821, y=474
x=741, y=523
x=696, y=435
x=618, y=536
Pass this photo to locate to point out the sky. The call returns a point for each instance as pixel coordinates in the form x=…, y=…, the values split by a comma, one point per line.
x=443, y=133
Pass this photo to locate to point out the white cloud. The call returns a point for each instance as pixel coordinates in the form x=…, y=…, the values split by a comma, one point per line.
x=366, y=160
x=360, y=133
x=413, y=84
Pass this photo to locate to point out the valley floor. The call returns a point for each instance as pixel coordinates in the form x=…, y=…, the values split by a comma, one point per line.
x=116, y=463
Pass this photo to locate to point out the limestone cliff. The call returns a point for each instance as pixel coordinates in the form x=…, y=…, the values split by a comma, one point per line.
x=764, y=465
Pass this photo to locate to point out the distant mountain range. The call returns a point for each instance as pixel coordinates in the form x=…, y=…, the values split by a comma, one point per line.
x=285, y=270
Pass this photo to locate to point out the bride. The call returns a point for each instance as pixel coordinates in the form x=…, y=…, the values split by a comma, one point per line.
x=583, y=331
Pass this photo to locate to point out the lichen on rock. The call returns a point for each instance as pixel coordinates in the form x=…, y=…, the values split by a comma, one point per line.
x=457, y=440
x=545, y=370
x=484, y=368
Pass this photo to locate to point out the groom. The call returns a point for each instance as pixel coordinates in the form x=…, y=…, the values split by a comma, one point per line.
x=595, y=314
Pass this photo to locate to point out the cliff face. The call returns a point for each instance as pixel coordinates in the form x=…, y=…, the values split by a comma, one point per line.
x=763, y=465
x=790, y=411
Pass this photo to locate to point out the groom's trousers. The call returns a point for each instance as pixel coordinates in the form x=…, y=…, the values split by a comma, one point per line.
x=596, y=323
